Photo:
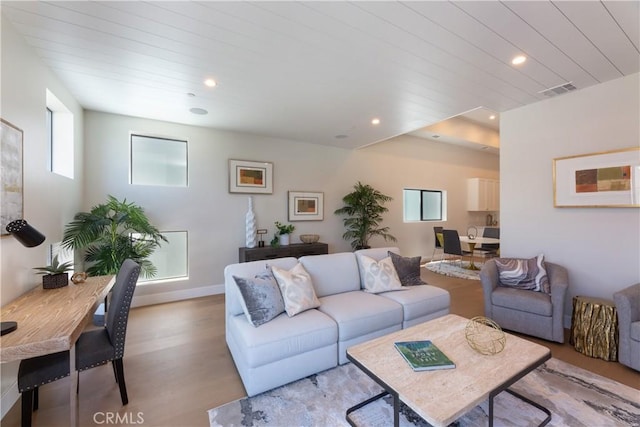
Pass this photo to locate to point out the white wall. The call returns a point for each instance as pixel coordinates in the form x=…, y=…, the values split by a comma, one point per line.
x=599, y=246
x=50, y=200
x=214, y=218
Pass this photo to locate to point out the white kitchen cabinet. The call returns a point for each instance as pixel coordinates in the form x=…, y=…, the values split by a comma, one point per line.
x=483, y=195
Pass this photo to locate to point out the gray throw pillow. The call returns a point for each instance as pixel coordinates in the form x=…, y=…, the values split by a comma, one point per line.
x=261, y=297
x=408, y=269
x=528, y=274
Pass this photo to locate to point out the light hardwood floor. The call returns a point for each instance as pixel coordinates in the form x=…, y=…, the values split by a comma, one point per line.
x=177, y=366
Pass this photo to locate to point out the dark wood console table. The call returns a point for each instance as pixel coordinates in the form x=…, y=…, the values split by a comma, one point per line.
x=269, y=252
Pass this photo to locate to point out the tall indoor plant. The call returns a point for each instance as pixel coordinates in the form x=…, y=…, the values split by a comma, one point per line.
x=112, y=232
x=363, y=208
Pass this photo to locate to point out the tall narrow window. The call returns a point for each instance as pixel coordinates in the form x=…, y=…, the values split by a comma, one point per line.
x=158, y=161
x=425, y=205
x=59, y=122
x=170, y=258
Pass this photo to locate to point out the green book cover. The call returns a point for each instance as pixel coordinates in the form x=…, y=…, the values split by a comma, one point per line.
x=424, y=355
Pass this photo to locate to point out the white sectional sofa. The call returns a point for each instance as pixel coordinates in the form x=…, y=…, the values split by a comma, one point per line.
x=289, y=348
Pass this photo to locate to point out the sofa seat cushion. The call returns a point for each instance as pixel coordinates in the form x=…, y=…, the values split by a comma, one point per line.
x=421, y=300
x=282, y=337
x=526, y=301
x=359, y=313
x=635, y=331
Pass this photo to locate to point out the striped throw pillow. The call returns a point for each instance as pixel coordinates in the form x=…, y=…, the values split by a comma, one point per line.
x=529, y=274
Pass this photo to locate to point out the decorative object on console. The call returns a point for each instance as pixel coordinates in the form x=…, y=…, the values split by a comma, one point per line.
x=250, y=226
x=598, y=180
x=282, y=234
x=309, y=238
x=261, y=232
x=25, y=233
x=306, y=206
x=11, y=191
x=55, y=275
x=250, y=177
x=363, y=208
x=485, y=336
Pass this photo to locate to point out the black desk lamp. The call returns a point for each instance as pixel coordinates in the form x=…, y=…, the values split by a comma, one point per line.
x=29, y=237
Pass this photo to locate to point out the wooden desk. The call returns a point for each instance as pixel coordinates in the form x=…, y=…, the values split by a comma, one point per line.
x=51, y=320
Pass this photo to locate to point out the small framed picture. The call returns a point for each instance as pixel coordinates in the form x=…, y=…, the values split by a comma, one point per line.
x=306, y=206
x=250, y=177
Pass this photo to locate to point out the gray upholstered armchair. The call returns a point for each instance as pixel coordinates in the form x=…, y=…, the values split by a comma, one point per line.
x=533, y=313
x=628, y=308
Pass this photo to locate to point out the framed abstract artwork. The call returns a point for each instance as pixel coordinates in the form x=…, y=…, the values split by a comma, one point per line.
x=250, y=177
x=598, y=180
x=306, y=206
x=11, y=194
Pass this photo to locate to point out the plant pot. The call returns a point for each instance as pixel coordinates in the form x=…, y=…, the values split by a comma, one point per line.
x=284, y=239
x=54, y=281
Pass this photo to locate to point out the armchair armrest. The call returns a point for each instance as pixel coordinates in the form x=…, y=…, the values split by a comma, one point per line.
x=489, y=277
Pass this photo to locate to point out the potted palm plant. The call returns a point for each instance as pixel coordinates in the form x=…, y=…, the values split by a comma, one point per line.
x=363, y=208
x=110, y=233
x=55, y=275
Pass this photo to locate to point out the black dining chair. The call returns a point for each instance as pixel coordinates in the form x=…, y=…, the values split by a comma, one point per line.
x=452, y=245
x=490, y=249
x=437, y=234
x=93, y=348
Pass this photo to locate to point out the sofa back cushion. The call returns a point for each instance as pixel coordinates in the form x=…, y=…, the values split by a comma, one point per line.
x=233, y=305
x=332, y=273
x=375, y=253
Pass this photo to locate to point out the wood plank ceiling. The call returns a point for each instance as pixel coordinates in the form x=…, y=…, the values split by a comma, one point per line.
x=318, y=72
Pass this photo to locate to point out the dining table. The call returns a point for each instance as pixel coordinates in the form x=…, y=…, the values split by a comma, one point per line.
x=472, y=242
x=50, y=321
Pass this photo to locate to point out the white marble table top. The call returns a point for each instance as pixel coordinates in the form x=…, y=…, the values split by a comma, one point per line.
x=442, y=396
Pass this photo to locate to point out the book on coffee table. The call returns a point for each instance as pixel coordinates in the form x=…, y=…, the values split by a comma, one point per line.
x=424, y=355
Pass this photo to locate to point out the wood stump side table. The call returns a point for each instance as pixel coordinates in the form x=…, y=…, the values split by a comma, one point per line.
x=594, y=328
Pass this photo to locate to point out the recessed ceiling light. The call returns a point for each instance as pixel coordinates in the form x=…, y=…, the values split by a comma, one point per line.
x=191, y=94
x=341, y=136
x=210, y=83
x=375, y=121
x=518, y=60
x=492, y=117
x=200, y=111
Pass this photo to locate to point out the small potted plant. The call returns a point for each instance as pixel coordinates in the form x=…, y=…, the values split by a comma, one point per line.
x=281, y=236
x=55, y=275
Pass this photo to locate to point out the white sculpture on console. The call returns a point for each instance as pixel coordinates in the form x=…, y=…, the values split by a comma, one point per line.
x=250, y=222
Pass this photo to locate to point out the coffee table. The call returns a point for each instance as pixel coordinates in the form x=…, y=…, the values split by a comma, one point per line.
x=442, y=396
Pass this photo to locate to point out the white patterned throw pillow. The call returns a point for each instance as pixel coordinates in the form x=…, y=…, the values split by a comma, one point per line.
x=380, y=276
x=296, y=288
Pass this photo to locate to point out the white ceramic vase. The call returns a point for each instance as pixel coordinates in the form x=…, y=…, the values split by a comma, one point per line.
x=284, y=239
x=250, y=224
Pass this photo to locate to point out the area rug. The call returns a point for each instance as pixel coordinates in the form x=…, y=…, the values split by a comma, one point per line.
x=453, y=269
x=574, y=396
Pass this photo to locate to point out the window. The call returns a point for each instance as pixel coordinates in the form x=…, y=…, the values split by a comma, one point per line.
x=59, y=122
x=158, y=161
x=171, y=258
x=425, y=205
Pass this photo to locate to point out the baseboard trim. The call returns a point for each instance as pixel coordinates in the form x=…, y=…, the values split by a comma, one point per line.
x=164, y=297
